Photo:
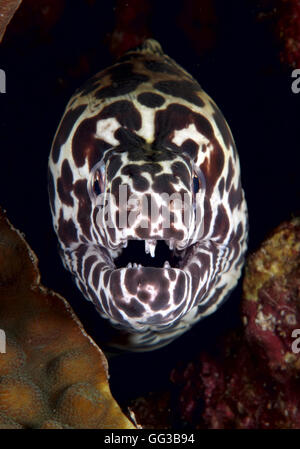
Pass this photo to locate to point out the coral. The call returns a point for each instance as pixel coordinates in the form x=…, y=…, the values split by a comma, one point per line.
x=288, y=30
x=52, y=374
x=153, y=411
x=233, y=390
x=271, y=306
x=38, y=16
x=7, y=10
x=282, y=20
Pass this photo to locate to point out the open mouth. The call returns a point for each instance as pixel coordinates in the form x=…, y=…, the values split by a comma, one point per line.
x=135, y=254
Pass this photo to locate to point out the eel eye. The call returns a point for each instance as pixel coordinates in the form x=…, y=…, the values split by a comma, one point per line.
x=98, y=182
x=196, y=184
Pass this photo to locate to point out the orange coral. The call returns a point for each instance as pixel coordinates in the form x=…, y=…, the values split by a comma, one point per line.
x=52, y=374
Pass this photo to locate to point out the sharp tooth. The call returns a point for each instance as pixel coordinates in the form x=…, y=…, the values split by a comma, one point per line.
x=135, y=265
x=125, y=243
x=129, y=265
x=171, y=244
x=166, y=264
x=150, y=246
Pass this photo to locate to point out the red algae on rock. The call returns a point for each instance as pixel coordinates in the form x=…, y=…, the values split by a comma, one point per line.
x=288, y=30
x=52, y=374
x=233, y=390
x=254, y=380
x=282, y=20
x=271, y=305
x=153, y=411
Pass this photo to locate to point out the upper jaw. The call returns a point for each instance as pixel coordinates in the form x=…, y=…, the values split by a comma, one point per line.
x=156, y=253
x=151, y=243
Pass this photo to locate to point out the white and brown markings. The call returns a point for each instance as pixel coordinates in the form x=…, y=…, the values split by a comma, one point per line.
x=145, y=127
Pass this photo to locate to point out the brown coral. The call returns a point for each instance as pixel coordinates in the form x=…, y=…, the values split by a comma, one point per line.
x=7, y=10
x=52, y=374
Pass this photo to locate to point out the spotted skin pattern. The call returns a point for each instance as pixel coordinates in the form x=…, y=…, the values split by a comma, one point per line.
x=146, y=124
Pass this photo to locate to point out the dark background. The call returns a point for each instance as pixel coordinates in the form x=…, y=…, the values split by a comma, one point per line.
x=233, y=55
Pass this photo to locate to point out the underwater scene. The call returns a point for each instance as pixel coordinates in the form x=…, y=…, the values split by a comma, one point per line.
x=149, y=216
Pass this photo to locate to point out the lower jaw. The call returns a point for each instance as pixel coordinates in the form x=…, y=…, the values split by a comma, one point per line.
x=149, y=291
x=148, y=296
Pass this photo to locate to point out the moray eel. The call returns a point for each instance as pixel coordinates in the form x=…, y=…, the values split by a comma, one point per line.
x=146, y=197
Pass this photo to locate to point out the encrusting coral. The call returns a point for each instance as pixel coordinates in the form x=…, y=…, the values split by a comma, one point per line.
x=52, y=374
x=271, y=306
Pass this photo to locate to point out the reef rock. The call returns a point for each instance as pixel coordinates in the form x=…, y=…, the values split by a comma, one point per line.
x=52, y=374
x=271, y=305
x=281, y=18
x=252, y=380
